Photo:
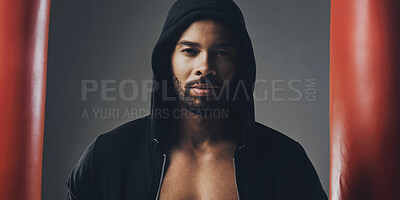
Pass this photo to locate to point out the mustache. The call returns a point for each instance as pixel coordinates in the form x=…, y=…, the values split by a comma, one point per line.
x=211, y=80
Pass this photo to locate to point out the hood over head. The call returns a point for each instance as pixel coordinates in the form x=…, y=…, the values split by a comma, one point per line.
x=180, y=16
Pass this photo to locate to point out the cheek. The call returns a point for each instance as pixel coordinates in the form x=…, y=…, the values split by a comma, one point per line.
x=227, y=71
x=180, y=67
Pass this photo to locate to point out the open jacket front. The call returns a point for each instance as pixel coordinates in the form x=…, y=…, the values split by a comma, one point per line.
x=129, y=161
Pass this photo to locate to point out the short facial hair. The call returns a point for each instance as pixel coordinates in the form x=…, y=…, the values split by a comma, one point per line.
x=201, y=105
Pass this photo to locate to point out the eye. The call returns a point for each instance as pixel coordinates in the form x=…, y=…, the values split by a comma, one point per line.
x=223, y=53
x=189, y=51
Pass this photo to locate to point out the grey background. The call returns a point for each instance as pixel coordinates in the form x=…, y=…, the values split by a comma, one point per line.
x=113, y=40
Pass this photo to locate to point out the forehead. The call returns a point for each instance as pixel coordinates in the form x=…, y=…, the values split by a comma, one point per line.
x=208, y=30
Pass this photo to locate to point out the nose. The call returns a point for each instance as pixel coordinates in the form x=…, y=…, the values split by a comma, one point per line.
x=205, y=65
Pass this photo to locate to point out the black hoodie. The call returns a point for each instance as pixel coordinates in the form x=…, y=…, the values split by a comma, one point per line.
x=129, y=161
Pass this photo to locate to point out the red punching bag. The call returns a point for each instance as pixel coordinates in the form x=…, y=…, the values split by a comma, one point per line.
x=23, y=56
x=364, y=100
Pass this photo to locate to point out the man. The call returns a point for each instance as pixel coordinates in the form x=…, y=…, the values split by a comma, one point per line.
x=203, y=64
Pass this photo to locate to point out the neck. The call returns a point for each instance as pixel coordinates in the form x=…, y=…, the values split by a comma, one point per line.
x=201, y=133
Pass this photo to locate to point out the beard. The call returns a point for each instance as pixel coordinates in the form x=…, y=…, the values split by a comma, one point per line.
x=201, y=105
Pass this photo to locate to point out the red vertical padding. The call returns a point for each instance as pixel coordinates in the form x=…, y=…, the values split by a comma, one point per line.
x=364, y=100
x=23, y=57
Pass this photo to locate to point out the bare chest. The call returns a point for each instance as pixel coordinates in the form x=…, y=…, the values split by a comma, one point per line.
x=187, y=179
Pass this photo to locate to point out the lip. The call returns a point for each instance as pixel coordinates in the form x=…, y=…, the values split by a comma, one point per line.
x=204, y=86
x=201, y=91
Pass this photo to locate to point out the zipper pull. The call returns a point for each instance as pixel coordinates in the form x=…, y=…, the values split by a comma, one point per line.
x=162, y=177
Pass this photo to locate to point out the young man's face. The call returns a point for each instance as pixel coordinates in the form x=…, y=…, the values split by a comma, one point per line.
x=204, y=59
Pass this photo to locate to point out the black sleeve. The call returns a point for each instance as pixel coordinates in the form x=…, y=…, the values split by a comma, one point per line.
x=81, y=184
x=311, y=188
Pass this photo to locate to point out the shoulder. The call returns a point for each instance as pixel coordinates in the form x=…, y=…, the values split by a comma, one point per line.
x=133, y=131
x=105, y=157
x=125, y=140
x=113, y=149
x=269, y=140
x=274, y=149
x=276, y=153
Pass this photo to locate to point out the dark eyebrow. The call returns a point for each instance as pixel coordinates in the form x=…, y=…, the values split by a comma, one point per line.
x=188, y=43
x=224, y=45
x=217, y=45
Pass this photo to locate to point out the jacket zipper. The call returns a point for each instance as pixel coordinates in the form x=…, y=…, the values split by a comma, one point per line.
x=163, y=167
x=234, y=171
x=162, y=176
